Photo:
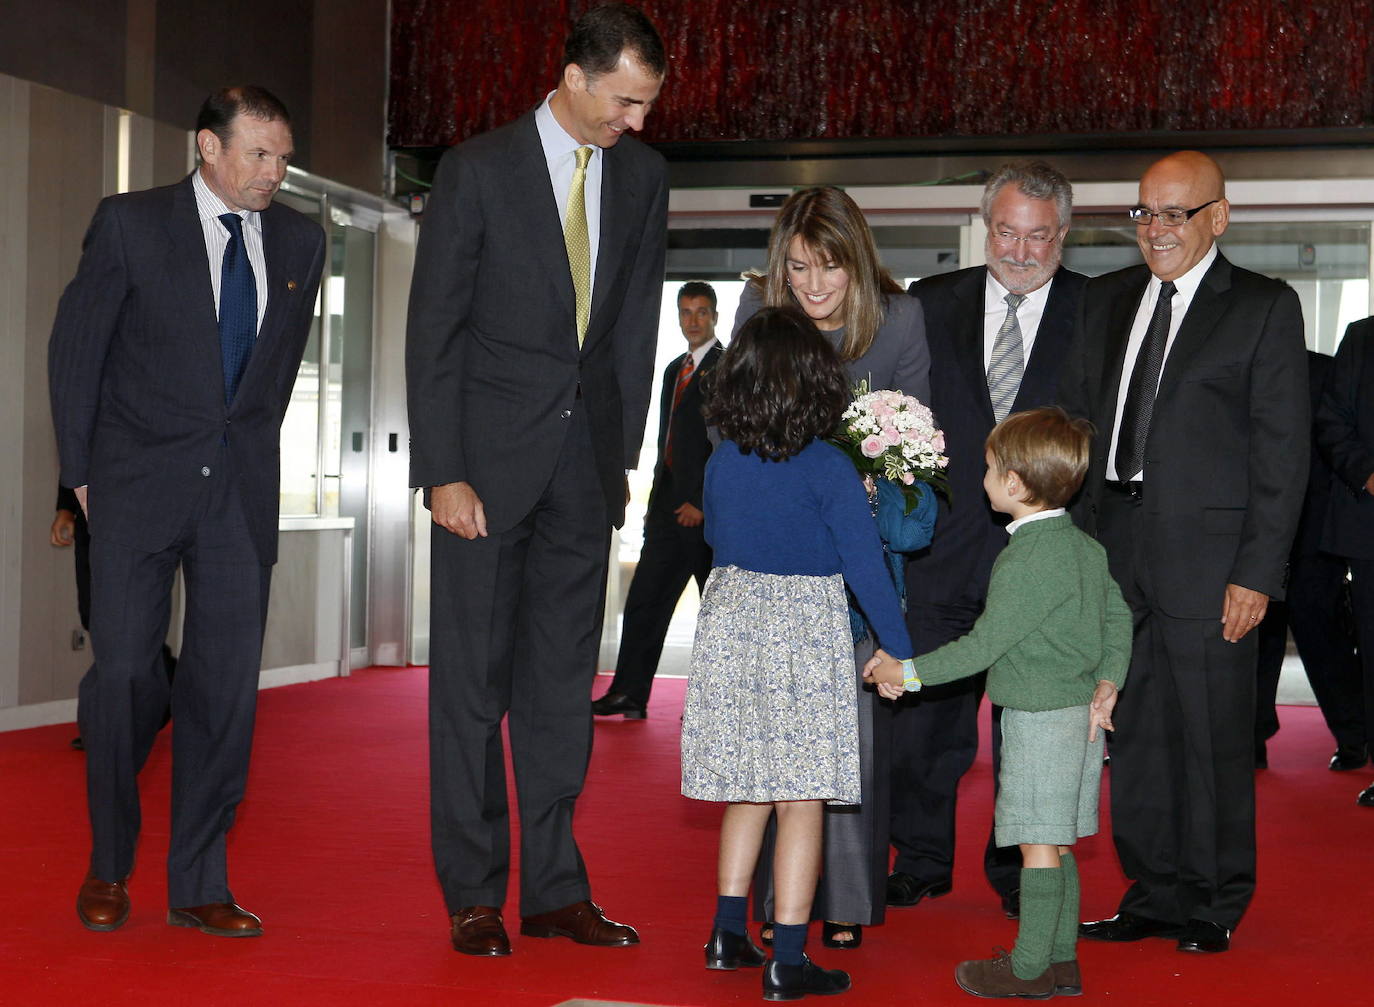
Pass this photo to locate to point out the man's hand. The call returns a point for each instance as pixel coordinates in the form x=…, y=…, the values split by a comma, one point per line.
x=80, y=492
x=1100, y=713
x=456, y=507
x=1241, y=611
x=689, y=516
x=63, y=530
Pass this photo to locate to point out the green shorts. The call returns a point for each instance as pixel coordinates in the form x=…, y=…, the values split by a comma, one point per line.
x=1050, y=779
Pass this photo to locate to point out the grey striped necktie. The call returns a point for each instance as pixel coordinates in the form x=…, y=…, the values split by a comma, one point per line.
x=1008, y=361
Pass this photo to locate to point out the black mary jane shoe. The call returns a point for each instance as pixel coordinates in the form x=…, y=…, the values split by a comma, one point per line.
x=727, y=951
x=770, y=925
x=792, y=982
x=829, y=930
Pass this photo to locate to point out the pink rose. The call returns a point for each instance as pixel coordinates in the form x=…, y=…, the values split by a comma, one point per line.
x=891, y=436
x=872, y=446
x=938, y=441
x=908, y=478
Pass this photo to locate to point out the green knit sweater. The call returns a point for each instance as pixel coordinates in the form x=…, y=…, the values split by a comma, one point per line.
x=1053, y=626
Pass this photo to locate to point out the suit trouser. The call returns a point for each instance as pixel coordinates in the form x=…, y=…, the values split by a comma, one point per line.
x=672, y=555
x=124, y=696
x=1362, y=602
x=515, y=630
x=1182, y=771
x=934, y=742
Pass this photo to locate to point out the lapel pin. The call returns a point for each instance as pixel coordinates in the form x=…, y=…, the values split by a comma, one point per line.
x=290, y=284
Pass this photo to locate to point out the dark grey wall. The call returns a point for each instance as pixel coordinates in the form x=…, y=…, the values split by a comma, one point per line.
x=326, y=59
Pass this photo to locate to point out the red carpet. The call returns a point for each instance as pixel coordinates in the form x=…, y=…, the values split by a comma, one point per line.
x=331, y=849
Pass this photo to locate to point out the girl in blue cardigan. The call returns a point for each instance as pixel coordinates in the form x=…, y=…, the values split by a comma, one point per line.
x=770, y=722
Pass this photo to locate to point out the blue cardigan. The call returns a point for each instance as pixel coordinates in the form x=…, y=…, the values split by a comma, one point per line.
x=806, y=515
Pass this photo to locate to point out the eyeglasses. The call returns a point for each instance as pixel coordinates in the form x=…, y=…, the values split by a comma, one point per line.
x=1168, y=218
x=1032, y=241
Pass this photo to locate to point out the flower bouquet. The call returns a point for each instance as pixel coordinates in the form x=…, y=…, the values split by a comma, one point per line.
x=893, y=436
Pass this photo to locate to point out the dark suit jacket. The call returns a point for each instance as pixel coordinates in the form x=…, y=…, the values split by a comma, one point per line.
x=135, y=371
x=969, y=534
x=492, y=362
x=1226, y=457
x=1345, y=434
x=691, y=446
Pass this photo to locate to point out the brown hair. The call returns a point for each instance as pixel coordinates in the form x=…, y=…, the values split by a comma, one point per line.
x=1047, y=448
x=832, y=227
x=778, y=386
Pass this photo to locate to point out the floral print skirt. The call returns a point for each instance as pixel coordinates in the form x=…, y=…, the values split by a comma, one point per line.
x=771, y=711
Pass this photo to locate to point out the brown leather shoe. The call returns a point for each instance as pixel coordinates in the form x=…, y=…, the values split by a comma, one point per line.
x=993, y=977
x=1068, y=980
x=478, y=930
x=584, y=922
x=102, y=905
x=219, y=919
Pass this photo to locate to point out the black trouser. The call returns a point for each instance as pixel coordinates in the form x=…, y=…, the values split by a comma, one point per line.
x=1182, y=772
x=672, y=555
x=515, y=629
x=124, y=696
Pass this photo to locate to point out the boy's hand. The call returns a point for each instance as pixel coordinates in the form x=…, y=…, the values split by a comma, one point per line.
x=885, y=671
x=1100, y=715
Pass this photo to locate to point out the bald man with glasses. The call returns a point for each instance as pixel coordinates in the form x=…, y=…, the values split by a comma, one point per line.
x=1194, y=373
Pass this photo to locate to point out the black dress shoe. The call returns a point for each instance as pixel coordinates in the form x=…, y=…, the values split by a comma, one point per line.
x=792, y=982
x=1366, y=798
x=1348, y=757
x=1127, y=927
x=1011, y=904
x=617, y=702
x=904, y=890
x=727, y=951
x=1204, y=936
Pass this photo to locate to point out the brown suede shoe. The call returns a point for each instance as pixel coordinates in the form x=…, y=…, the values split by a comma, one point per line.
x=994, y=978
x=584, y=922
x=1068, y=981
x=219, y=919
x=478, y=930
x=102, y=905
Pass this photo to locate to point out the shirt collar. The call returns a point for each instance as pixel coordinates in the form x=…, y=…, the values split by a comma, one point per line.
x=557, y=141
x=211, y=207
x=995, y=294
x=1039, y=515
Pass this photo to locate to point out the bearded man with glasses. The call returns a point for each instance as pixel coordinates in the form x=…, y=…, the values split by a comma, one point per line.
x=998, y=335
x=1194, y=373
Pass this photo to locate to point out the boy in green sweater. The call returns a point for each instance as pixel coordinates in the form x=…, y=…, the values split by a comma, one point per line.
x=1055, y=636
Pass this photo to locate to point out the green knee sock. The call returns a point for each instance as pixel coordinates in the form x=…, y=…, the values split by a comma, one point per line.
x=1066, y=934
x=1042, y=889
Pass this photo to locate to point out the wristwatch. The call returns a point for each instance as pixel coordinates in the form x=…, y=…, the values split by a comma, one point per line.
x=910, y=683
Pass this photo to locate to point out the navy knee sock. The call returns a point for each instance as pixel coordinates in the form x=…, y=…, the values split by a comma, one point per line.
x=788, y=941
x=731, y=913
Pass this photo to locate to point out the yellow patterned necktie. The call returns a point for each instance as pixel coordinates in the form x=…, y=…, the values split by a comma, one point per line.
x=579, y=242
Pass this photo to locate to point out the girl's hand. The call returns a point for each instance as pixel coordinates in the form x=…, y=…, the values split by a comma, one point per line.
x=1100, y=713
x=885, y=671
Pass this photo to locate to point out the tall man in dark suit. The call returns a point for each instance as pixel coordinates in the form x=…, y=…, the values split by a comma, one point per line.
x=1345, y=434
x=171, y=365
x=529, y=362
x=1194, y=373
x=675, y=548
x=1015, y=313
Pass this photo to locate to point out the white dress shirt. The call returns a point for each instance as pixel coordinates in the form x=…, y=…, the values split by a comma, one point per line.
x=1185, y=287
x=560, y=151
x=1028, y=316
x=210, y=207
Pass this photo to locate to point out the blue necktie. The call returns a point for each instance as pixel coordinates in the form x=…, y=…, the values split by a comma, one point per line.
x=238, y=306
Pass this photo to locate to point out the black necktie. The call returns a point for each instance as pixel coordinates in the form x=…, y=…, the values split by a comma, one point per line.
x=1140, y=396
x=238, y=306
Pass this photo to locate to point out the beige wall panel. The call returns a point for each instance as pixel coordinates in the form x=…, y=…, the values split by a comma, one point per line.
x=71, y=166
x=14, y=187
x=172, y=157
